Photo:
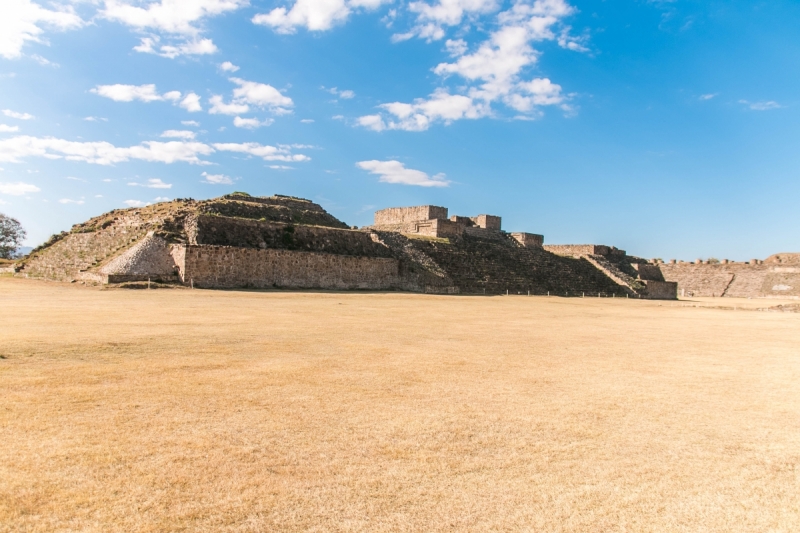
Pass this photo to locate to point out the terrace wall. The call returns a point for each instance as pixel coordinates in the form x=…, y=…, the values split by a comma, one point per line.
x=228, y=267
x=577, y=249
x=529, y=239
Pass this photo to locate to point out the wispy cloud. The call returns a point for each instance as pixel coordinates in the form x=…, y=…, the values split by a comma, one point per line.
x=24, y=21
x=761, y=106
x=217, y=179
x=346, y=94
x=16, y=115
x=18, y=188
x=153, y=183
x=395, y=172
x=179, y=134
x=251, y=123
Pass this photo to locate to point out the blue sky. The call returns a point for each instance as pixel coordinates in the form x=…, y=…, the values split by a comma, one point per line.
x=667, y=128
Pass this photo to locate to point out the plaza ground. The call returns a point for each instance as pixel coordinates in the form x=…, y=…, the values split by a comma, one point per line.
x=196, y=410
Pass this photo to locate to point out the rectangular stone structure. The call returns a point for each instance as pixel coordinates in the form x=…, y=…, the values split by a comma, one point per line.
x=648, y=272
x=660, y=290
x=438, y=227
x=529, y=240
x=400, y=215
x=487, y=222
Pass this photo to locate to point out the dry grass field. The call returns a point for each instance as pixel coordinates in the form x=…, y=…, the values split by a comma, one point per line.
x=181, y=410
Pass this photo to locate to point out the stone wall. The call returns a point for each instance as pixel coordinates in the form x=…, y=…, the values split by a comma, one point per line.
x=577, y=249
x=737, y=280
x=487, y=222
x=228, y=267
x=660, y=290
x=399, y=215
x=648, y=272
x=529, y=239
x=484, y=233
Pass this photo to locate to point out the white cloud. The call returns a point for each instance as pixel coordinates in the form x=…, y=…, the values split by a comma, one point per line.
x=708, y=96
x=265, y=152
x=95, y=119
x=251, y=123
x=431, y=18
x=154, y=183
x=18, y=188
x=100, y=152
x=134, y=203
x=44, y=61
x=251, y=93
x=537, y=92
x=395, y=172
x=128, y=93
x=22, y=21
x=281, y=167
x=169, y=16
x=190, y=123
x=18, y=116
x=217, y=179
x=307, y=120
x=181, y=18
x=261, y=94
x=5, y=128
x=191, y=103
x=314, y=15
x=227, y=66
x=147, y=93
x=219, y=107
x=493, y=71
x=440, y=106
x=149, y=45
x=161, y=199
x=761, y=106
x=68, y=201
x=345, y=95
x=455, y=48
x=179, y=134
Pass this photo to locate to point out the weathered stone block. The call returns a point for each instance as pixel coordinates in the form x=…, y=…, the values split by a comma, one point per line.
x=399, y=215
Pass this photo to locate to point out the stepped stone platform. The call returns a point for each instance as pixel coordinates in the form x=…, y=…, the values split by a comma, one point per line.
x=240, y=240
x=778, y=276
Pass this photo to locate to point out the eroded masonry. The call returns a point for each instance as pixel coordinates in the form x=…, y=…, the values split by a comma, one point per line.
x=285, y=242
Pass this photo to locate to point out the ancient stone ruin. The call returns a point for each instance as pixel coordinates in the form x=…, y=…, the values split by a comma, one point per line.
x=285, y=242
x=778, y=276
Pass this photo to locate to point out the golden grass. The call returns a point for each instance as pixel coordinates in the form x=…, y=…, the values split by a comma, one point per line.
x=180, y=410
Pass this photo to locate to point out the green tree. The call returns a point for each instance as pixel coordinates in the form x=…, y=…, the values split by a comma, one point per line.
x=11, y=236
